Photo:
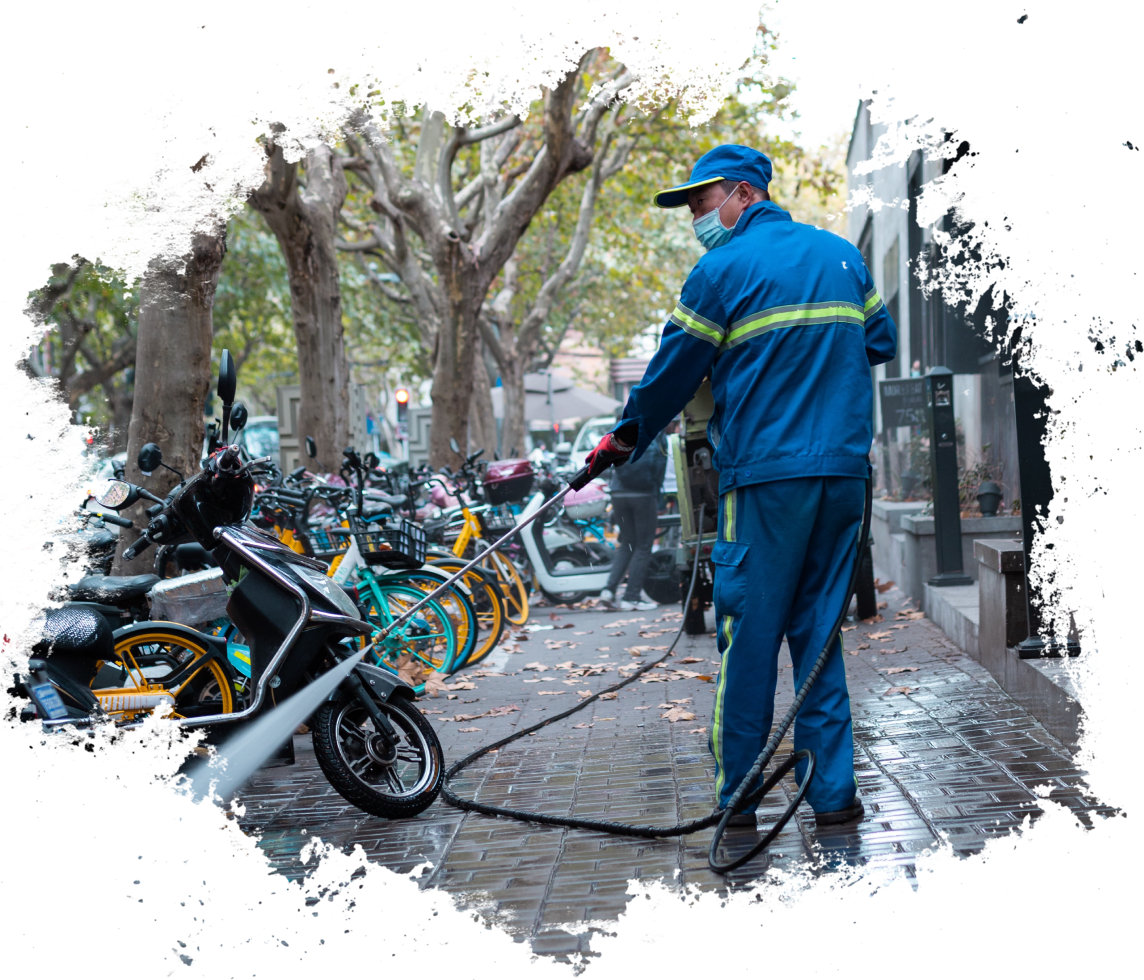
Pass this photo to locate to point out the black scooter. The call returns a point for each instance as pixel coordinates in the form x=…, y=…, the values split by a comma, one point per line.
x=371, y=741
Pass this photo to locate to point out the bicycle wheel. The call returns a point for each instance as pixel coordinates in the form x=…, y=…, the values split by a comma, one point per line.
x=454, y=601
x=487, y=601
x=423, y=643
x=513, y=589
x=157, y=662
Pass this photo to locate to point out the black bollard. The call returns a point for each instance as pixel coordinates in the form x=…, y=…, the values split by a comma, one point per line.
x=943, y=477
x=864, y=590
x=1041, y=533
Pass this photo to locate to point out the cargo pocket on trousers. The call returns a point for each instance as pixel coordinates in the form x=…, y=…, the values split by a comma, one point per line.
x=730, y=592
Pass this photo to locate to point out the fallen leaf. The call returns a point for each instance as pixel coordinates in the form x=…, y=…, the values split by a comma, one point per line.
x=690, y=660
x=506, y=709
x=874, y=619
x=880, y=635
x=554, y=617
x=706, y=678
x=642, y=707
x=466, y=717
x=883, y=586
x=567, y=626
x=620, y=633
x=470, y=729
x=847, y=629
x=461, y=686
x=900, y=626
x=651, y=633
x=453, y=697
x=697, y=731
x=534, y=680
x=883, y=605
x=610, y=696
x=852, y=652
x=863, y=646
x=553, y=693
x=914, y=615
x=560, y=644
x=584, y=694
x=536, y=665
x=582, y=725
x=678, y=714
x=429, y=711
x=900, y=670
x=435, y=682
x=571, y=682
x=604, y=649
x=581, y=632
x=568, y=665
x=901, y=690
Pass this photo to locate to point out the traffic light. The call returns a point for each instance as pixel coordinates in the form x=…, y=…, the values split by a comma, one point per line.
x=401, y=396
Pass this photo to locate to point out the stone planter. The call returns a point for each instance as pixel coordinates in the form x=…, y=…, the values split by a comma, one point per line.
x=889, y=539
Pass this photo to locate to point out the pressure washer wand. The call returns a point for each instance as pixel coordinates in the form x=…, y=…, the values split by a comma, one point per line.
x=579, y=477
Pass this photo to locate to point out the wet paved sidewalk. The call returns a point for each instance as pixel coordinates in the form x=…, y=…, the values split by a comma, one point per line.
x=941, y=752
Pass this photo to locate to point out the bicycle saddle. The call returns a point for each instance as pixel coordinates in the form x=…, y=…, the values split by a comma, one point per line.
x=112, y=589
x=72, y=639
x=89, y=543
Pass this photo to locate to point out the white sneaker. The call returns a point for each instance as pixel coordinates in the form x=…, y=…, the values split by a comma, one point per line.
x=608, y=598
x=642, y=605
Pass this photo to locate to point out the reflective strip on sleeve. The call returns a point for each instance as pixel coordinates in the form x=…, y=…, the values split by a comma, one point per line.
x=804, y=315
x=698, y=326
x=873, y=303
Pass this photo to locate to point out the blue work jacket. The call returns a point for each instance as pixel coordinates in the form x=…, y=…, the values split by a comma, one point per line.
x=785, y=319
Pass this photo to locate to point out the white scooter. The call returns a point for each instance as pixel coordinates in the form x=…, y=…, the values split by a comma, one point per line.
x=567, y=569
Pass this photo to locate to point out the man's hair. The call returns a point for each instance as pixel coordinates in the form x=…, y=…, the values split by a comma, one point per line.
x=730, y=185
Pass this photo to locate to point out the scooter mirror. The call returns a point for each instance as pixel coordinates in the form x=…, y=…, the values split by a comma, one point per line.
x=371, y=460
x=453, y=446
x=149, y=458
x=311, y=447
x=117, y=495
x=238, y=416
x=227, y=378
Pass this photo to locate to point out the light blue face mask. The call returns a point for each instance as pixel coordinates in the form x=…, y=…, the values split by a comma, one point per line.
x=710, y=230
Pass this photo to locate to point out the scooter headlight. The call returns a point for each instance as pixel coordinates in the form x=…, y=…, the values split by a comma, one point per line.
x=329, y=589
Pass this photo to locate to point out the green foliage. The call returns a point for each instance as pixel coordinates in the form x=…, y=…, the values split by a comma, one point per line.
x=252, y=316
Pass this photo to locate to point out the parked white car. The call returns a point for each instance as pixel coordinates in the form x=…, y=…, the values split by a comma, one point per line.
x=593, y=431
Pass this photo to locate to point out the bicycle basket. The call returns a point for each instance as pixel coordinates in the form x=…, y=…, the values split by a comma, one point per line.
x=399, y=544
x=496, y=521
x=323, y=544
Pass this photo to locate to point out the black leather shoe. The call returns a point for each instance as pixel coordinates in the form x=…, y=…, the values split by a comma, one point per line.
x=851, y=814
x=742, y=820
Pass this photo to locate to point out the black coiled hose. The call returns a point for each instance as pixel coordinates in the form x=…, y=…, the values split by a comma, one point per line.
x=744, y=796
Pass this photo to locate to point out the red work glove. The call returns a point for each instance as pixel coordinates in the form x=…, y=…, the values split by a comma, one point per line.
x=609, y=452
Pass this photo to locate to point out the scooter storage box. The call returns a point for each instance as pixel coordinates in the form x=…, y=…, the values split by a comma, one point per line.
x=508, y=480
x=586, y=504
x=191, y=599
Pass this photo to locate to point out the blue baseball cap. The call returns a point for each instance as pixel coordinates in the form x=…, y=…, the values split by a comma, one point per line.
x=727, y=162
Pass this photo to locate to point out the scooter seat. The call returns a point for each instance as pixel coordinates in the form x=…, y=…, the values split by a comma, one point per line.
x=111, y=588
x=72, y=639
x=89, y=543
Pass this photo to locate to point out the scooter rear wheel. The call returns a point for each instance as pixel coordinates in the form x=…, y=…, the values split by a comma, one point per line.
x=354, y=759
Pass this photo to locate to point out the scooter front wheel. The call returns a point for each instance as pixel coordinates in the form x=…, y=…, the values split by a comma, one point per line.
x=388, y=781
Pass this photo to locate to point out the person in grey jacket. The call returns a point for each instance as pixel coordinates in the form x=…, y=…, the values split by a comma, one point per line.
x=635, y=504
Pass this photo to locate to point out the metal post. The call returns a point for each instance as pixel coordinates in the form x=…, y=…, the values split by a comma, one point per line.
x=1043, y=592
x=943, y=477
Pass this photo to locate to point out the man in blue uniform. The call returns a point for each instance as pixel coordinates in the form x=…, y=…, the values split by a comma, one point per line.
x=785, y=320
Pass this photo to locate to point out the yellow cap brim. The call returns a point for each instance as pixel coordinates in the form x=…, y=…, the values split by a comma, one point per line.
x=676, y=197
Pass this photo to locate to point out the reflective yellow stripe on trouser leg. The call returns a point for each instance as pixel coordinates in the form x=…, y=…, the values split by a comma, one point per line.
x=726, y=533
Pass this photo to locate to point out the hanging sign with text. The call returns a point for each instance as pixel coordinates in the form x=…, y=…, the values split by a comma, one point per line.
x=903, y=402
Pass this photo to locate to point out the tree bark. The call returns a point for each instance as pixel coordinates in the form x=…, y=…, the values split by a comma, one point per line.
x=172, y=375
x=483, y=423
x=305, y=221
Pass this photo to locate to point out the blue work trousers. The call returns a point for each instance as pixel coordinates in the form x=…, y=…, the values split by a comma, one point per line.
x=783, y=564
